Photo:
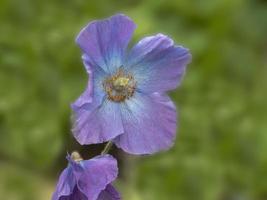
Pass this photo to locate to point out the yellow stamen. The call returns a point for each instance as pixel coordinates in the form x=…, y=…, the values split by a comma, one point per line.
x=121, y=81
x=120, y=86
x=76, y=156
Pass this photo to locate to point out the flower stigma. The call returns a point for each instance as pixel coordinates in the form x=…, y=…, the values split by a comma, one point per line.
x=119, y=86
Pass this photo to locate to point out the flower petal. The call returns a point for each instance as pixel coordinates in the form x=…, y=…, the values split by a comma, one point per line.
x=97, y=123
x=157, y=64
x=97, y=174
x=149, y=122
x=110, y=193
x=65, y=185
x=76, y=195
x=92, y=113
x=94, y=92
x=105, y=41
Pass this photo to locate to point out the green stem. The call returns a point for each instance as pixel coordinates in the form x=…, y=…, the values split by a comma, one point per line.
x=107, y=148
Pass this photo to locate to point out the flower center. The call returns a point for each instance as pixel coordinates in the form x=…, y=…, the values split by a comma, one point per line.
x=119, y=86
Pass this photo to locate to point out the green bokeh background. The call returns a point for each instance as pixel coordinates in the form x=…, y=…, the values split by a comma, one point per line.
x=220, y=152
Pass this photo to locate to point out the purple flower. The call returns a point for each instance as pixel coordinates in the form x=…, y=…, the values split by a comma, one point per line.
x=126, y=98
x=88, y=179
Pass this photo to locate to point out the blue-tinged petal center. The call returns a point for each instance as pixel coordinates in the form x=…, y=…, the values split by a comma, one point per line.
x=119, y=86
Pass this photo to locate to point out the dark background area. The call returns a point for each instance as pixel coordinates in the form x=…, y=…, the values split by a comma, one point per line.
x=220, y=152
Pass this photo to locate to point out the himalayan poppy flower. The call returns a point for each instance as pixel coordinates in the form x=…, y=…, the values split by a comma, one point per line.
x=126, y=99
x=88, y=179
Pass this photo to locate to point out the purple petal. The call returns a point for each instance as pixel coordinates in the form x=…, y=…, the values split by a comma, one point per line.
x=157, y=64
x=149, y=123
x=94, y=92
x=98, y=173
x=75, y=166
x=76, y=195
x=110, y=193
x=97, y=124
x=65, y=184
x=105, y=41
x=93, y=114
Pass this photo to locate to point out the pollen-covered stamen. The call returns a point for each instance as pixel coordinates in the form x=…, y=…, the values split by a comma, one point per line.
x=120, y=86
x=76, y=156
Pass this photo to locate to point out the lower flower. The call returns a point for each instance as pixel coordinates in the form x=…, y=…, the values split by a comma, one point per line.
x=88, y=179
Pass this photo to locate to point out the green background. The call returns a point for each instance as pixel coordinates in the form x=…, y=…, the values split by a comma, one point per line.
x=220, y=152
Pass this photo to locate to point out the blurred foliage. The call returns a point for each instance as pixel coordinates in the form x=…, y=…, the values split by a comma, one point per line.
x=220, y=150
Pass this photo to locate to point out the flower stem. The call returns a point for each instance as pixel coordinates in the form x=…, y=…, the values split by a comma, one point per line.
x=107, y=148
